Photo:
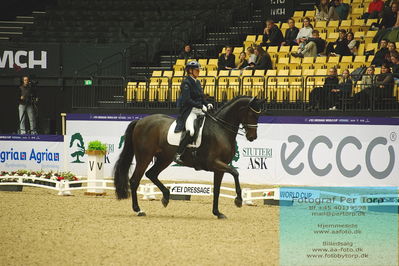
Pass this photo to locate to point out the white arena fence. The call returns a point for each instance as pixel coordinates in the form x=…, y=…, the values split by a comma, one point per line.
x=150, y=191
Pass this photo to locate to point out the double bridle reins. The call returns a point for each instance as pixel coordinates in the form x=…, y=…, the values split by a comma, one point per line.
x=232, y=128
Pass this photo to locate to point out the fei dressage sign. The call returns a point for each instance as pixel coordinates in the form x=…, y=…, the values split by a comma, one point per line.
x=191, y=189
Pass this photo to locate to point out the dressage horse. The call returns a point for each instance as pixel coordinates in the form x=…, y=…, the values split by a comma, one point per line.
x=147, y=138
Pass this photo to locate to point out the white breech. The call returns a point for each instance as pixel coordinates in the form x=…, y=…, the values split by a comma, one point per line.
x=190, y=119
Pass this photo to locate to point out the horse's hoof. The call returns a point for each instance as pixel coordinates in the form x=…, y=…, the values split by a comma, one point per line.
x=140, y=213
x=221, y=216
x=238, y=202
x=165, y=202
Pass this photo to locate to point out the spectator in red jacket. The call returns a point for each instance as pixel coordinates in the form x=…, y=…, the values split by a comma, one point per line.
x=375, y=8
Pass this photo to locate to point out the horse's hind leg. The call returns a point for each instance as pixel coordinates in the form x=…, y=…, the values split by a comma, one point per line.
x=152, y=174
x=135, y=182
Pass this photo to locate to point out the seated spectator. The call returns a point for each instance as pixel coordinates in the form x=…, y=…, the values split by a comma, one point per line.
x=391, y=49
x=318, y=97
x=353, y=45
x=381, y=88
x=272, y=35
x=227, y=60
x=395, y=65
x=389, y=16
x=305, y=32
x=341, y=45
x=263, y=60
x=375, y=9
x=243, y=61
x=313, y=46
x=187, y=53
x=380, y=55
x=344, y=90
x=290, y=34
x=325, y=12
x=251, y=55
x=342, y=9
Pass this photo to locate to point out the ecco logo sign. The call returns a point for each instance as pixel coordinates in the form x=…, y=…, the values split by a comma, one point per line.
x=23, y=59
x=323, y=140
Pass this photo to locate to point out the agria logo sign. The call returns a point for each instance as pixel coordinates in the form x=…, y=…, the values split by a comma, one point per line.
x=37, y=156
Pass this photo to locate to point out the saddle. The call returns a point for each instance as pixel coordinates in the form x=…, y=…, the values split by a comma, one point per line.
x=174, y=138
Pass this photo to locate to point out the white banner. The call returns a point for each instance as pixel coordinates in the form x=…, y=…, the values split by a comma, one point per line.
x=191, y=189
x=33, y=153
x=318, y=154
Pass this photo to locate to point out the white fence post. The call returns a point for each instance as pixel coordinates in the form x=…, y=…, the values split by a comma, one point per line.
x=149, y=191
x=246, y=196
x=64, y=188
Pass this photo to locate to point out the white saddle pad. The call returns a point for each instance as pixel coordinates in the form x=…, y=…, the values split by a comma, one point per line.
x=174, y=138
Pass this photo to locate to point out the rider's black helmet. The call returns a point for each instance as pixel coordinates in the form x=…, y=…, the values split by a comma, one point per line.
x=193, y=65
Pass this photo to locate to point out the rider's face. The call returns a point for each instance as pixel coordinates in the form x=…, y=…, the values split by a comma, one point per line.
x=195, y=72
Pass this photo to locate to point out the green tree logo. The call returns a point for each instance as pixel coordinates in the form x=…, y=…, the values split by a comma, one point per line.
x=236, y=156
x=121, y=141
x=80, y=147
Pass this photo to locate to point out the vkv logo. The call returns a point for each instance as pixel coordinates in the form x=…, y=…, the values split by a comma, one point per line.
x=323, y=140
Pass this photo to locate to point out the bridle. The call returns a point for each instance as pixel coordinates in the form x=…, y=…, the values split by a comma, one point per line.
x=232, y=128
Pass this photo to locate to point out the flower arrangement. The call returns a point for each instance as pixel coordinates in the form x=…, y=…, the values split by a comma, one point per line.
x=96, y=147
x=45, y=175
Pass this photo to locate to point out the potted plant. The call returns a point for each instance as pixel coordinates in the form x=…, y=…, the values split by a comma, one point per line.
x=96, y=151
x=8, y=180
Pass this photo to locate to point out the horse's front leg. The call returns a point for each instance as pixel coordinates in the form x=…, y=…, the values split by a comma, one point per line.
x=218, y=176
x=221, y=166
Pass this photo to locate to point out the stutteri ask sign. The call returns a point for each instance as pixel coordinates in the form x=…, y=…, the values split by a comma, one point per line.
x=191, y=189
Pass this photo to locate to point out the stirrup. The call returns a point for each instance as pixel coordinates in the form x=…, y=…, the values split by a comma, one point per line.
x=178, y=159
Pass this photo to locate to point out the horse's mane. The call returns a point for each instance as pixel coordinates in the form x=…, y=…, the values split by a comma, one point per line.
x=231, y=102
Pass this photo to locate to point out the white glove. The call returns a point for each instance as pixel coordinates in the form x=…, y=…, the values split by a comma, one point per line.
x=204, y=109
x=210, y=106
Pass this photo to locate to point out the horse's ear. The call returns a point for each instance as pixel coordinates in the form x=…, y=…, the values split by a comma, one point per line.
x=252, y=100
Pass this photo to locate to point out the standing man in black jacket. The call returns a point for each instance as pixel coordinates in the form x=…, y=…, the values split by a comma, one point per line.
x=26, y=100
x=227, y=61
x=192, y=103
x=272, y=34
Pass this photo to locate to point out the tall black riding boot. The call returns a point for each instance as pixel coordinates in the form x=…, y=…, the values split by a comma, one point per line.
x=185, y=140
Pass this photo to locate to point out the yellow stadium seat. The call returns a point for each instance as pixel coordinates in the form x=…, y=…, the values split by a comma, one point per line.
x=131, y=88
x=333, y=24
x=180, y=62
x=371, y=21
x=141, y=91
x=224, y=73
x=357, y=11
x=332, y=36
x=178, y=68
x=203, y=72
x=259, y=40
x=157, y=73
x=181, y=73
x=346, y=62
x=359, y=35
x=320, y=76
x=168, y=73
x=320, y=62
x=370, y=58
x=272, y=49
x=247, y=72
x=307, y=62
x=259, y=72
x=360, y=60
x=321, y=26
x=358, y=25
x=298, y=14
x=212, y=64
x=283, y=63
x=372, y=47
x=212, y=73
x=251, y=38
x=175, y=87
x=235, y=73
x=310, y=13
x=203, y=62
x=346, y=24
x=284, y=26
x=370, y=36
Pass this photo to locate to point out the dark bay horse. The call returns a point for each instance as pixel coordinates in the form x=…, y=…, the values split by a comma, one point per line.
x=147, y=138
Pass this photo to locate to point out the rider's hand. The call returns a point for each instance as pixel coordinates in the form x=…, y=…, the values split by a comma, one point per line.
x=204, y=109
x=209, y=106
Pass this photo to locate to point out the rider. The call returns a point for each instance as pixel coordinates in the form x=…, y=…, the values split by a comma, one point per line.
x=192, y=103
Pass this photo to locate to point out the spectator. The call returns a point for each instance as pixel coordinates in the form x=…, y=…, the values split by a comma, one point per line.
x=272, y=35
x=305, y=32
x=342, y=9
x=395, y=64
x=291, y=33
x=187, y=53
x=251, y=55
x=325, y=12
x=263, y=59
x=318, y=96
x=389, y=16
x=380, y=55
x=382, y=88
x=375, y=9
x=27, y=100
x=313, y=46
x=343, y=91
x=353, y=45
x=341, y=45
x=227, y=60
x=243, y=61
x=391, y=49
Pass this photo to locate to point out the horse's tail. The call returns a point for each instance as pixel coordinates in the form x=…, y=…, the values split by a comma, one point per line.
x=122, y=165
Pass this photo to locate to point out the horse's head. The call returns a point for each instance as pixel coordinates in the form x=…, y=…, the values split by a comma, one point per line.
x=250, y=116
